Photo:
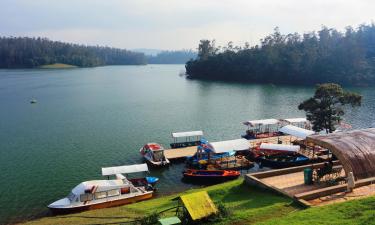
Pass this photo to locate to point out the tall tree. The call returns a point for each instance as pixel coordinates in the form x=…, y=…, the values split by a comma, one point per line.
x=325, y=108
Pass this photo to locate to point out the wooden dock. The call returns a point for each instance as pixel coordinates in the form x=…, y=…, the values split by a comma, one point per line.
x=179, y=153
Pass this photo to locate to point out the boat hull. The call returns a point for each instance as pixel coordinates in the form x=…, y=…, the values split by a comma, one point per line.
x=204, y=176
x=265, y=162
x=101, y=205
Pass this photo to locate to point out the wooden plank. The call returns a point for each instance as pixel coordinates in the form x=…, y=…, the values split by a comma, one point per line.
x=177, y=153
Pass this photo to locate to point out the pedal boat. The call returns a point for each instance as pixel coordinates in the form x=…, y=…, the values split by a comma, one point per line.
x=153, y=153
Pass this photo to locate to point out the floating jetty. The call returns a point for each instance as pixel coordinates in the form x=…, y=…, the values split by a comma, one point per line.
x=180, y=153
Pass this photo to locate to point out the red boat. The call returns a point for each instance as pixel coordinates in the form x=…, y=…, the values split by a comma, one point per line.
x=210, y=175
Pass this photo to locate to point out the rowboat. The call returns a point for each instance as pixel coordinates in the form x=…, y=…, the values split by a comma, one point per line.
x=153, y=153
x=208, y=176
x=97, y=194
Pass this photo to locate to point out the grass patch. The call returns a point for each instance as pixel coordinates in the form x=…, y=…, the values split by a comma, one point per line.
x=246, y=205
x=361, y=212
x=57, y=66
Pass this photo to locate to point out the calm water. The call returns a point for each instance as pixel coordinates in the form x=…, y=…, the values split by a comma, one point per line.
x=90, y=118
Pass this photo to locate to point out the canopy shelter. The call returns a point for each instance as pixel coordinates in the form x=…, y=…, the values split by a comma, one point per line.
x=124, y=169
x=199, y=205
x=191, y=138
x=254, y=123
x=198, y=133
x=355, y=150
x=280, y=147
x=229, y=146
x=296, y=131
x=295, y=120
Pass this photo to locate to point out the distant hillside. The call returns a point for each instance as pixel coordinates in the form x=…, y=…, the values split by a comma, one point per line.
x=24, y=52
x=172, y=57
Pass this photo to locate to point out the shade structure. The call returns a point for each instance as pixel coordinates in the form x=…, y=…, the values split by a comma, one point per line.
x=229, y=146
x=124, y=169
x=355, y=150
x=264, y=122
x=280, y=147
x=296, y=131
x=199, y=205
x=295, y=120
x=187, y=134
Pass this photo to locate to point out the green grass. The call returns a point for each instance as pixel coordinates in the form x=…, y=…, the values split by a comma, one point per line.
x=57, y=66
x=247, y=205
x=361, y=212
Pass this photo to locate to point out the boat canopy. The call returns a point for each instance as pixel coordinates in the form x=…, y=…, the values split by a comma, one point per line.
x=279, y=147
x=124, y=169
x=296, y=131
x=229, y=146
x=295, y=120
x=99, y=185
x=264, y=122
x=187, y=134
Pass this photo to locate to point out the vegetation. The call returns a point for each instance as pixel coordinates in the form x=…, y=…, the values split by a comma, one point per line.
x=325, y=108
x=172, y=57
x=317, y=57
x=24, y=52
x=240, y=205
x=244, y=203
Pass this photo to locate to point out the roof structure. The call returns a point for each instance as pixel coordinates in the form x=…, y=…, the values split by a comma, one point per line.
x=296, y=131
x=280, y=147
x=199, y=205
x=295, y=120
x=187, y=134
x=229, y=146
x=124, y=169
x=355, y=150
x=264, y=122
x=99, y=185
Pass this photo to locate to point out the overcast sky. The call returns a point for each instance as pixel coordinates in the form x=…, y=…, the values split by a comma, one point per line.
x=174, y=24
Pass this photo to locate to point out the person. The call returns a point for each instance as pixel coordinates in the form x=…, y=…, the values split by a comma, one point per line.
x=351, y=182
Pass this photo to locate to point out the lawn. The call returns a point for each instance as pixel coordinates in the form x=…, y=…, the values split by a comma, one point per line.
x=247, y=205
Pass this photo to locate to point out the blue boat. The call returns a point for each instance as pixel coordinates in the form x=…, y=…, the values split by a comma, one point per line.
x=282, y=160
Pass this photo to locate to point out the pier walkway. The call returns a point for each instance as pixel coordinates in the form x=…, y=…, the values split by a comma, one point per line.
x=179, y=153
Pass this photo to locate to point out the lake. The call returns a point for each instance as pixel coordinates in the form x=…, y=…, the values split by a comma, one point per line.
x=90, y=118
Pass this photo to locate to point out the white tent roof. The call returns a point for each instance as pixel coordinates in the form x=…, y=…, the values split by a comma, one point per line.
x=295, y=120
x=187, y=134
x=254, y=123
x=124, y=169
x=279, y=147
x=296, y=131
x=101, y=185
x=228, y=146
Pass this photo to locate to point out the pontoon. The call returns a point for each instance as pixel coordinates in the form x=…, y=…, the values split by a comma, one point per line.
x=153, y=153
x=185, y=139
x=261, y=128
x=96, y=194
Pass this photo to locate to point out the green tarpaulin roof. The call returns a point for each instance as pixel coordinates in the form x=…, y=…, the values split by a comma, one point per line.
x=199, y=205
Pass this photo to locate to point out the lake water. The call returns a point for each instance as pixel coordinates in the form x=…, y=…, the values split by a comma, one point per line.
x=90, y=118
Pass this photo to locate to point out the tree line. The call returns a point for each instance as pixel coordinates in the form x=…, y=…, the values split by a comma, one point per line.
x=25, y=52
x=346, y=58
x=172, y=57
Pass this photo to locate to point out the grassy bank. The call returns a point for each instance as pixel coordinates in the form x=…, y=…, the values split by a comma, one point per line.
x=57, y=66
x=247, y=205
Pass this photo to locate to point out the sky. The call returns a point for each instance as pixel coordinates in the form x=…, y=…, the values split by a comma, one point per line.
x=175, y=24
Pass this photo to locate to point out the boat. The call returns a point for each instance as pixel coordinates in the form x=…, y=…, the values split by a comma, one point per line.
x=210, y=175
x=33, y=101
x=190, y=138
x=261, y=129
x=153, y=153
x=274, y=149
x=97, y=194
x=282, y=161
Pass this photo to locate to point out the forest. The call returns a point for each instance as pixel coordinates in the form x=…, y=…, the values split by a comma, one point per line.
x=25, y=52
x=172, y=57
x=327, y=55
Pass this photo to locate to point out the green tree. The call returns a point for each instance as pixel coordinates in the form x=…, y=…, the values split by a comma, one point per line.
x=325, y=108
x=206, y=48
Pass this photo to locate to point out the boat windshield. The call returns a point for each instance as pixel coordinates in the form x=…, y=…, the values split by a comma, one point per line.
x=158, y=156
x=71, y=196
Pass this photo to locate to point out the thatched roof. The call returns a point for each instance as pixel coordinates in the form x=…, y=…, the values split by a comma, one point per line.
x=354, y=149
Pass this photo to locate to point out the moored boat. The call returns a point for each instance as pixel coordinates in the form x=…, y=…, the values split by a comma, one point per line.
x=153, y=153
x=210, y=175
x=96, y=194
x=283, y=161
